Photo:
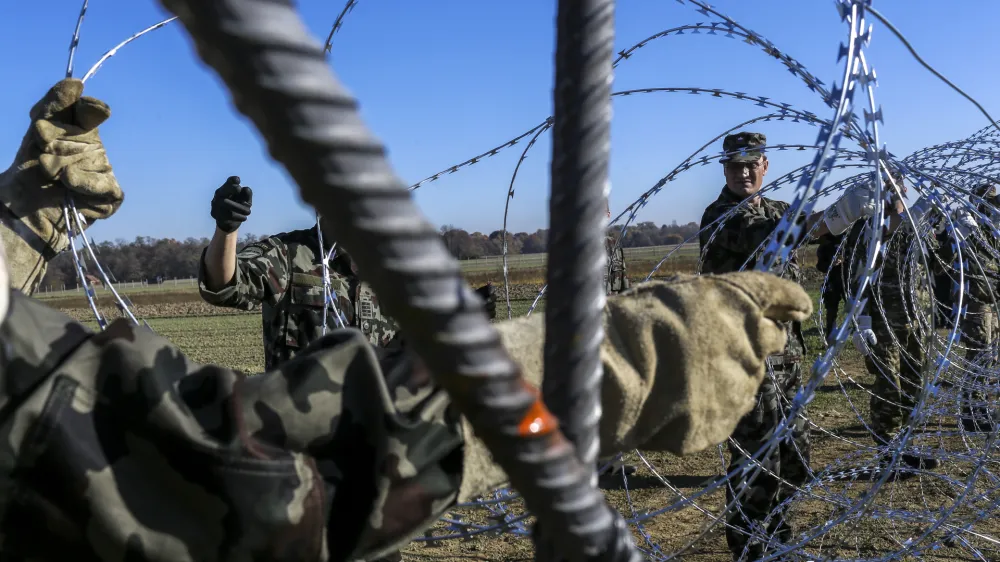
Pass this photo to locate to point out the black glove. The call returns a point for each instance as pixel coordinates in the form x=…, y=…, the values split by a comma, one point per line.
x=489, y=294
x=231, y=205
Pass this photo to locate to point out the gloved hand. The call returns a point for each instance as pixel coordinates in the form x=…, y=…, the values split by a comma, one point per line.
x=864, y=339
x=683, y=360
x=60, y=155
x=923, y=205
x=489, y=294
x=857, y=203
x=964, y=222
x=231, y=205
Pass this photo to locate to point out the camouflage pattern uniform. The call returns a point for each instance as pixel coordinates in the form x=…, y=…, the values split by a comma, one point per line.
x=734, y=244
x=896, y=359
x=119, y=447
x=616, y=277
x=979, y=324
x=283, y=274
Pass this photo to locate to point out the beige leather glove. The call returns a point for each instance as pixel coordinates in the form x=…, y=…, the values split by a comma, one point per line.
x=683, y=360
x=61, y=154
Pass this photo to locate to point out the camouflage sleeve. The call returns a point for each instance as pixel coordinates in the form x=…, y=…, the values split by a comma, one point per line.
x=116, y=446
x=261, y=276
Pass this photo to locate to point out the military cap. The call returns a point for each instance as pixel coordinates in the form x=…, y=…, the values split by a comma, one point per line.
x=744, y=147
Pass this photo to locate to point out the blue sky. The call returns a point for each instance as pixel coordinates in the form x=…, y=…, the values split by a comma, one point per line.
x=442, y=80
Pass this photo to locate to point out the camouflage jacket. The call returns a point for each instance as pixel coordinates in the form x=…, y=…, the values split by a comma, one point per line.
x=737, y=242
x=738, y=239
x=283, y=274
x=615, y=277
x=115, y=446
x=895, y=281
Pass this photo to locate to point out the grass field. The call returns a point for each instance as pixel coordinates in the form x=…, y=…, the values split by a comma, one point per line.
x=837, y=414
x=522, y=268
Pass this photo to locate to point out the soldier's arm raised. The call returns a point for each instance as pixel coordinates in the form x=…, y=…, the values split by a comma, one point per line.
x=261, y=273
x=218, y=264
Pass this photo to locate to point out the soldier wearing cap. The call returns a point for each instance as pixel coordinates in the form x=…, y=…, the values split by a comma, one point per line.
x=734, y=245
x=730, y=246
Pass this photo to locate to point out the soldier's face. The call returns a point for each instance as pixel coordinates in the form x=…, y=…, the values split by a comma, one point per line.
x=745, y=178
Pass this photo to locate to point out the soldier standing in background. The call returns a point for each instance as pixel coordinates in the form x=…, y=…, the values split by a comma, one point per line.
x=888, y=328
x=979, y=324
x=283, y=274
x=615, y=281
x=734, y=245
x=616, y=275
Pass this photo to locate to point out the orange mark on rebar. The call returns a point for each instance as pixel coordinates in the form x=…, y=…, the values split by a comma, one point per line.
x=537, y=420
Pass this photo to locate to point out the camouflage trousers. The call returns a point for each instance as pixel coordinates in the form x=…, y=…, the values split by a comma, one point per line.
x=977, y=333
x=759, y=493
x=895, y=362
x=833, y=294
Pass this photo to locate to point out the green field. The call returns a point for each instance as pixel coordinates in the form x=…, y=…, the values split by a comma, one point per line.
x=837, y=412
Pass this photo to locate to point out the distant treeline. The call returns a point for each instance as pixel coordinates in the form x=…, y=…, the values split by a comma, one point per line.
x=151, y=259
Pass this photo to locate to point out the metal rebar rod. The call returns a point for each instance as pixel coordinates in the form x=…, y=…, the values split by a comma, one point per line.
x=278, y=77
x=581, y=136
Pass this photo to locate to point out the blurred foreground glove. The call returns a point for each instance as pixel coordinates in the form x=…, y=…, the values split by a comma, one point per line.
x=857, y=203
x=489, y=294
x=683, y=360
x=231, y=205
x=61, y=155
x=864, y=339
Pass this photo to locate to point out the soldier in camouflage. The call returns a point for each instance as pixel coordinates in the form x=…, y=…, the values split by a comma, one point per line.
x=283, y=275
x=737, y=244
x=117, y=446
x=888, y=329
x=616, y=276
x=615, y=281
x=979, y=323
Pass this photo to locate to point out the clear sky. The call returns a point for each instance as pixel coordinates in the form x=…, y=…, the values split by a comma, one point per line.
x=442, y=80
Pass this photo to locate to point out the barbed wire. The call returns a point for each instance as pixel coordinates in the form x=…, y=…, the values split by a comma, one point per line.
x=851, y=502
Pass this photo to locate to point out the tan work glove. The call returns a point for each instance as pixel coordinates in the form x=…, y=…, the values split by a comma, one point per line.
x=683, y=360
x=61, y=154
